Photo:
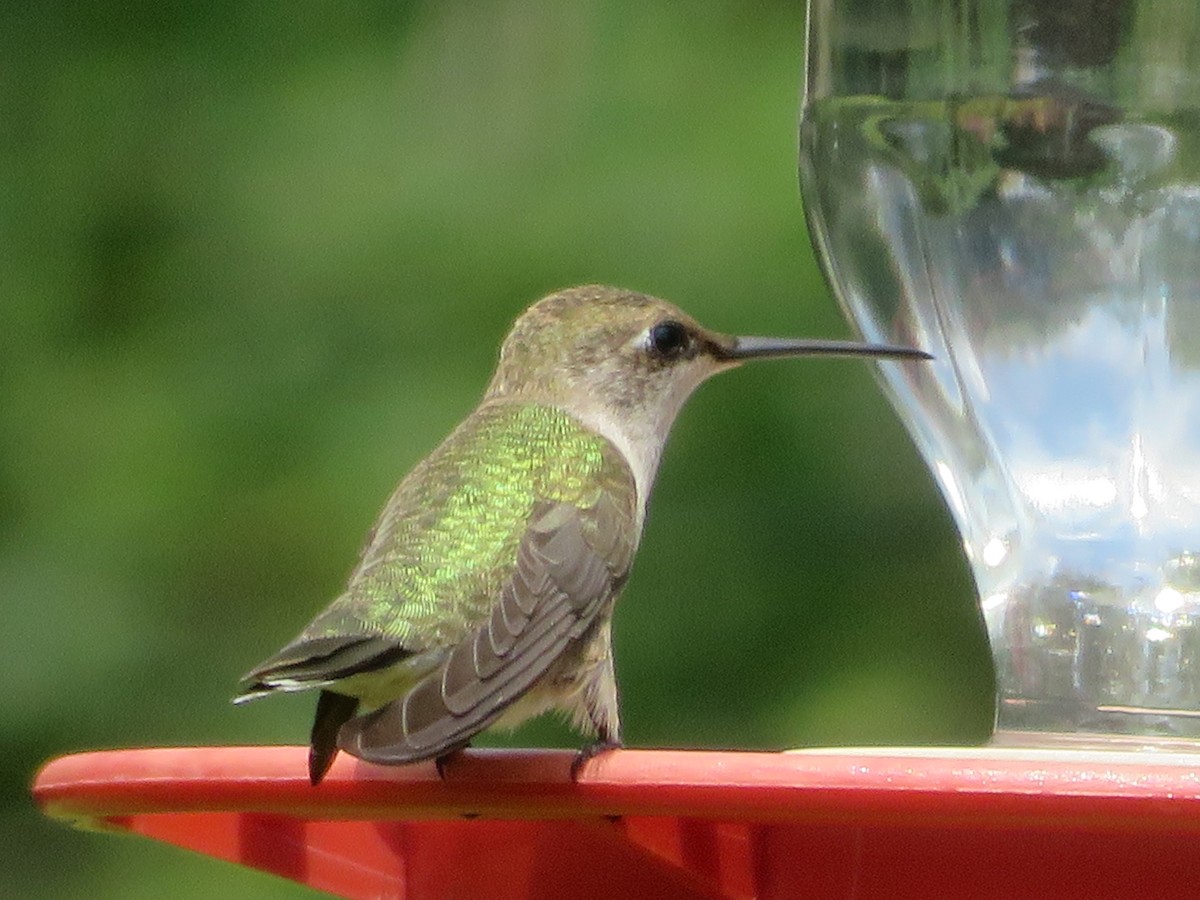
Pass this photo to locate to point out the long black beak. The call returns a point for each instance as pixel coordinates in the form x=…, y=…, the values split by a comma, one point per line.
x=739, y=348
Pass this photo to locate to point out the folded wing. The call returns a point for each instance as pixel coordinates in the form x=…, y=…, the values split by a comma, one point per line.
x=570, y=564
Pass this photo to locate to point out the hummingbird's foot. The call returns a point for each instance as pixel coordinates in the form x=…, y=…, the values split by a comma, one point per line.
x=439, y=762
x=593, y=749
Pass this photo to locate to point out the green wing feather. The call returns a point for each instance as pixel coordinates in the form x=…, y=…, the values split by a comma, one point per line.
x=447, y=542
x=570, y=567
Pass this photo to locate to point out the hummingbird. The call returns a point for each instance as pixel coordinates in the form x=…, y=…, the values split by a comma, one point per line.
x=485, y=592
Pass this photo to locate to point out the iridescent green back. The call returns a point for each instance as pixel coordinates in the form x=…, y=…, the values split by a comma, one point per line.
x=448, y=537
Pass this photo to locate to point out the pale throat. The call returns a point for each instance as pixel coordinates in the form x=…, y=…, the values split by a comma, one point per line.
x=639, y=437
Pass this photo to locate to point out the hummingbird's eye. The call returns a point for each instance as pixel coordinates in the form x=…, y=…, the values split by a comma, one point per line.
x=668, y=339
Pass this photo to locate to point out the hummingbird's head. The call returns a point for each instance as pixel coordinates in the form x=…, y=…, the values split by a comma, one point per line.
x=617, y=352
x=624, y=362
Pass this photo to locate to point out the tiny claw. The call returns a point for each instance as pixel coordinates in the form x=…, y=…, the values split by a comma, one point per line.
x=591, y=750
x=439, y=762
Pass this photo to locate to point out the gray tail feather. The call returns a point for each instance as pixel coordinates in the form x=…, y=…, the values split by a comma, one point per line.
x=333, y=710
x=318, y=662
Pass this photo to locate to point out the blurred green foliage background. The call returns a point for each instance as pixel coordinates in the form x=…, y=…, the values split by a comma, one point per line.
x=256, y=259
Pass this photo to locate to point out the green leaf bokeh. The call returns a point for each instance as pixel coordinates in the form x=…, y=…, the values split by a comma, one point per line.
x=255, y=260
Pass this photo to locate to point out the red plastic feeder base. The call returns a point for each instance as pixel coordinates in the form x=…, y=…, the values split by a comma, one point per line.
x=664, y=824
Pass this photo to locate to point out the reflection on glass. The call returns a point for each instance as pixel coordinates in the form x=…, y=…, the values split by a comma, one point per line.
x=1015, y=187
